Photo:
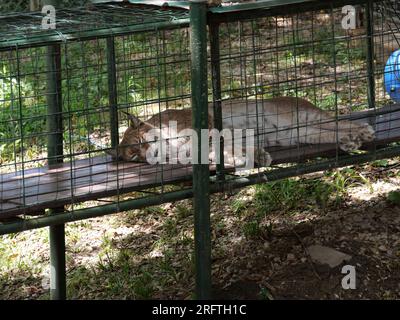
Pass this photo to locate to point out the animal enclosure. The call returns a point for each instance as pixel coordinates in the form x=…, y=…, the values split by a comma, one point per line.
x=67, y=96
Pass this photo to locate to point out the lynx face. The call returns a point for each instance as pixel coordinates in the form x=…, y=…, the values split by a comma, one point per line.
x=133, y=146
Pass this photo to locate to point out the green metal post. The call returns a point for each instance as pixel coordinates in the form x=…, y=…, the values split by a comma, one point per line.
x=216, y=86
x=54, y=152
x=201, y=188
x=370, y=53
x=112, y=91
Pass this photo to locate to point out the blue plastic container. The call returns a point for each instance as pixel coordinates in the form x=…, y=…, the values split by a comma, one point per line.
x=392, y=76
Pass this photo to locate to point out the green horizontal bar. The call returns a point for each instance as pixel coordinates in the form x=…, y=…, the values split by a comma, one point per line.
x=161, y=3
x=234, y=183
x=266, y=4
x=82, y=214
x=269, y=4
x=250, y=11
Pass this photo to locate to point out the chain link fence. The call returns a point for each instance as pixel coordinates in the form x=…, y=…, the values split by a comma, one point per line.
x=25, y=5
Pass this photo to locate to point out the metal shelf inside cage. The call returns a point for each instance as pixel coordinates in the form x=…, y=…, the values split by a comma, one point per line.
x=99, y=176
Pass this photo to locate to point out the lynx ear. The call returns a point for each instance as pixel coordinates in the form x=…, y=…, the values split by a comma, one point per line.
x=134, y=122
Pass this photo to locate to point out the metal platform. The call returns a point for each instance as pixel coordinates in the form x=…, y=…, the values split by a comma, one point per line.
x=33, y=190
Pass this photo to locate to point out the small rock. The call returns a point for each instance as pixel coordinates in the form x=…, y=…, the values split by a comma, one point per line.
x=326, y=255
x=382, y=248
x=290, y=257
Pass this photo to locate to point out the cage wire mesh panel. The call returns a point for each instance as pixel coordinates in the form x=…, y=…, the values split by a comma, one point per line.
x=306, y=86
x=139, y=73
x=27, y=5
x=14, y=6
x=316, y=87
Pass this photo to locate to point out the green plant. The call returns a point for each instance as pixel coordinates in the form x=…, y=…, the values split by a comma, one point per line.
x=183, y=211
x=238, y=205
x=252, y=229
x=170, y=227
x=394, y=197
x=265, y=294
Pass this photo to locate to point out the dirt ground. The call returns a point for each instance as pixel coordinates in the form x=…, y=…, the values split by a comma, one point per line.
x=368, y=231
x=148, y=254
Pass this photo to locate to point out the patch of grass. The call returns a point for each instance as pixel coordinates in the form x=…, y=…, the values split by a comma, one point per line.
x=154, y=210
x=142, y=286
x=238, y=205
x=252, y=229
x=394, y=197
x=382, y=163
x=183, y=211
x=265, y=294
x=23, y=260
x=285, y=194
x=170, y=227
x=290, y=194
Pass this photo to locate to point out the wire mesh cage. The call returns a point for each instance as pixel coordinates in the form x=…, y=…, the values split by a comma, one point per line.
x=7, y=6
x=312, y=92
x=78, y=102
x=61, y=104
x=316, y=84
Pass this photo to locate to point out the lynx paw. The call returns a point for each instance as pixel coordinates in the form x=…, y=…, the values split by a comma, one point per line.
x=214, y=3
x=366, y=133
x=262, y=158
x=233, y=161
x=349, y=143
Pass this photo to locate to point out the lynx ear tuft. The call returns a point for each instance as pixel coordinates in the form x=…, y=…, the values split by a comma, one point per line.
x=134, y=122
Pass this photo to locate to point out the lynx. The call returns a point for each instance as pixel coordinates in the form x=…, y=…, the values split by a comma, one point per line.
x=282, y=121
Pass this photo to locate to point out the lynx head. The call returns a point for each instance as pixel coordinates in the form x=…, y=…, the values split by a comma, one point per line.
x=133, y=146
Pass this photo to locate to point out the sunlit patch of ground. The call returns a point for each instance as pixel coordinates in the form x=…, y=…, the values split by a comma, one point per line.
x=379, y=188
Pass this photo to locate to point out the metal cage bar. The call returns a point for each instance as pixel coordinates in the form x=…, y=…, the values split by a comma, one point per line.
x=55, y=152
x=112, y=92
x=201, y=188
